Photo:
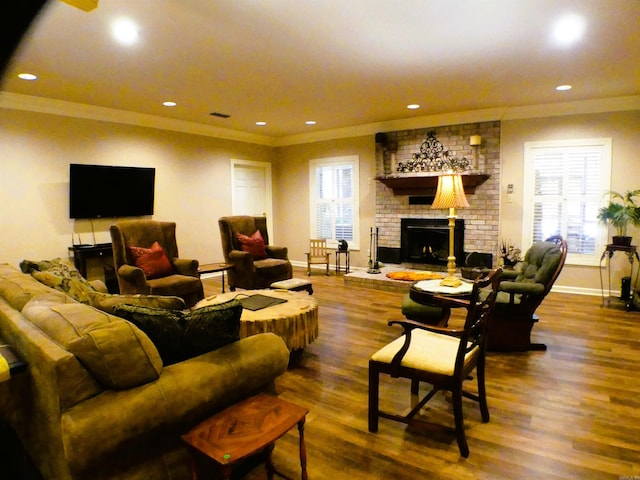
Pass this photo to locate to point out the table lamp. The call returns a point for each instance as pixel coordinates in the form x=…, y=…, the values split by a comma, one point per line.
x=450, y=194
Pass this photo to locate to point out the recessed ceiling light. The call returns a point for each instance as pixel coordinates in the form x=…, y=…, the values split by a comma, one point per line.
x=310, y=122
x=125, y=32
x=562, y=88
x=569, y=29
x=261, y=124
x=169, y=104
x=413, y=106
x=27, y=76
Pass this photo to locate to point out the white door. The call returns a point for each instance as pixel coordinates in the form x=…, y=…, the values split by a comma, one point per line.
x=251, y=192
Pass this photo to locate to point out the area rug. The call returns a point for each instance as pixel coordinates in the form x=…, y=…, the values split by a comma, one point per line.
x=414, y=276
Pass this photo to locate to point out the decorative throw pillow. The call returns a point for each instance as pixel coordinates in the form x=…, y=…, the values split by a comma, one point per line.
x=182, y=334
x=253, y=244
x=165, y=328
x=60, y=274
x=153, y=261
x=211, y=327
x=118, y=355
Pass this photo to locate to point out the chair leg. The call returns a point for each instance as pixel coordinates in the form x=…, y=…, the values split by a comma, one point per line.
x=456, y=398
x=415, y=386
x=482, y=392
x=374, y=391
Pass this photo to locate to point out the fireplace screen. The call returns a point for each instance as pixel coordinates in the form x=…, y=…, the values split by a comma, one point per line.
x=426, y=240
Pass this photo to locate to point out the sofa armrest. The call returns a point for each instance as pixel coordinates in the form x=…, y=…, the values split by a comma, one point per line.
x=277, y=252
x=186, y=266
x=161, y=408
x=99, y=286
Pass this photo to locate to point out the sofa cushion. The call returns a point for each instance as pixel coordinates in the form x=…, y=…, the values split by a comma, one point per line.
x=17, y=288
x=118, y=355
x=129, y=357
x=61, y=274
x=153, y=261
x=179, y=335
x=253, y=244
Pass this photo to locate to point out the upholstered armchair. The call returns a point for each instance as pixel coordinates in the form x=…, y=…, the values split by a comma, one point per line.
x=245, y=245
x=145, y=255
x=522, y=290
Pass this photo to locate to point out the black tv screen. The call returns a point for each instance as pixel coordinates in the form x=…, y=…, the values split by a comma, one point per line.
x=97, y=191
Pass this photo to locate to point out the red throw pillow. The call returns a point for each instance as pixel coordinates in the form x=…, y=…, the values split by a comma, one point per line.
x=153, y=261
x=253, y=244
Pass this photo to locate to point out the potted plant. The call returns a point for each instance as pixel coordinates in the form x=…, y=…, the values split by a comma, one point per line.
x=509, y=254
x=619, y=213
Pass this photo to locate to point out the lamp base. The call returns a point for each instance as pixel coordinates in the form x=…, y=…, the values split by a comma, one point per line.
x=451, y=282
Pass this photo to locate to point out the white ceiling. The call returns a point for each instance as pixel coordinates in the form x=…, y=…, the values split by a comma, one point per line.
x=341, y=63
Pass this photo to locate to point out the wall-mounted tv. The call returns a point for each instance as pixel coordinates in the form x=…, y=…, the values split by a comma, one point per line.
x=97, y=191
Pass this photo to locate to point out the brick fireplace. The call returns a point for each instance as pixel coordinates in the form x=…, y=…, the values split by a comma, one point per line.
x=480, y=222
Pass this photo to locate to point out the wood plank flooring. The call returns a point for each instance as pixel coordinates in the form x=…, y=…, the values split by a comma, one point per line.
x=572, y=412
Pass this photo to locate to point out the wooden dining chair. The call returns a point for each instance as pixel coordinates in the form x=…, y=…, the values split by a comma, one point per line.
x=440, y=356
x=318, y=254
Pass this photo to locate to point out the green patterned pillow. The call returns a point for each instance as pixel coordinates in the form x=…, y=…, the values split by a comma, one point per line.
x=163, y=327
x=182, y=334
x=60, y=274
x=209, y=328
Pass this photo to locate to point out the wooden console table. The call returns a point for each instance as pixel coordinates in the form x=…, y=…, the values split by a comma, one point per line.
x=632, y=254
x=104, y=251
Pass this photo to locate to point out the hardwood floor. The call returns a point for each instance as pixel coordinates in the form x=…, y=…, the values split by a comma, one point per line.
x=572, y=411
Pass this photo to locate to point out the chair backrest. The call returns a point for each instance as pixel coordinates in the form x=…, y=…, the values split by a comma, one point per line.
x=141, y=233
x=318, y=248
x=543, y=263
x=479, y=313
x=245, y=224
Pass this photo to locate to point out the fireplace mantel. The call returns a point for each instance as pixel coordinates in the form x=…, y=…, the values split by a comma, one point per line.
x=425, y=184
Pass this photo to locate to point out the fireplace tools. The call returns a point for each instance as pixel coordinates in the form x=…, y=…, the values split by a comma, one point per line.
x=374, y=266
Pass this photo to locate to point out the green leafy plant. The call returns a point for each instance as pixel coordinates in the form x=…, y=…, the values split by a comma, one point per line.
x=621, y=211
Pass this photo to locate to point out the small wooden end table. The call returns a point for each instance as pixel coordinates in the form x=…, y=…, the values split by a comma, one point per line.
x=215, y=267
x=242, y=430
x=339, y=254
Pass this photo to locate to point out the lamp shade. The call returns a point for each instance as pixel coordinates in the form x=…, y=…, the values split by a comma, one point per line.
x=450, y=193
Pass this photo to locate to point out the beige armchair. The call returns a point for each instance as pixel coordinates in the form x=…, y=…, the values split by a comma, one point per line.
x=145, y=256
x=245, y=245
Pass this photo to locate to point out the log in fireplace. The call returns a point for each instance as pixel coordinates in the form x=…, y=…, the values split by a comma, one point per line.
x=426, y=240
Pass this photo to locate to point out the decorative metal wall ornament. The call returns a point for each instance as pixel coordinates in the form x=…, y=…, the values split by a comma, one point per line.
x=434, y=158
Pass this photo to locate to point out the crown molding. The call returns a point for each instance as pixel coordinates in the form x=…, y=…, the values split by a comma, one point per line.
x=579, y=107
x=31, y=103
x=78, y=110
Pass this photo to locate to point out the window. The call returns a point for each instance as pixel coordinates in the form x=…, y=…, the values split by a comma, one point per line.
x=565, y=182
x=334, y=200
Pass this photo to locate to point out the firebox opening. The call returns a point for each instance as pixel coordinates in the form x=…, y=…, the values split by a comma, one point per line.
x=426, y=240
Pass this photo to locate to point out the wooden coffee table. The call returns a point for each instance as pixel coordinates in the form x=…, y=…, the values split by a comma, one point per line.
x=296, y=320
x=247, y=428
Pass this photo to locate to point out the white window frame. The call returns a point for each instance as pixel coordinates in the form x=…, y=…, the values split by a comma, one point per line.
x=530, y=150
x=354, y=162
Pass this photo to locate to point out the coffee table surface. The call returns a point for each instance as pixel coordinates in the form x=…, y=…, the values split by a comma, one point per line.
x=245, y=428
x=296, y=320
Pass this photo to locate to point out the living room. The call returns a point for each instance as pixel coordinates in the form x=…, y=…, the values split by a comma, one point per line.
x=42, y=136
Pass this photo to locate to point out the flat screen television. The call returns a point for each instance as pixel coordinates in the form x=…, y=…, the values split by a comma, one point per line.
x=97, y=191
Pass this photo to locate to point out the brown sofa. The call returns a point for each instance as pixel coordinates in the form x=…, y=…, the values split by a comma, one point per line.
x=92, y=407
